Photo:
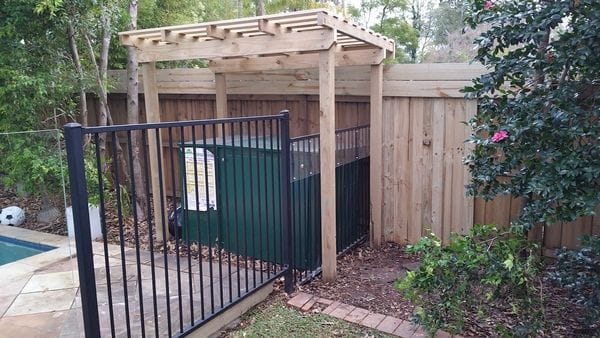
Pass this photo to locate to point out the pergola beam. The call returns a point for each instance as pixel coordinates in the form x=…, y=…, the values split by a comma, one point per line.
x=315, y=40
x=355, y=32
x=297, y=61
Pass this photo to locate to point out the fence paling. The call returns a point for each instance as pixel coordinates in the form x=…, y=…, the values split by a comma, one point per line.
x=153, y=288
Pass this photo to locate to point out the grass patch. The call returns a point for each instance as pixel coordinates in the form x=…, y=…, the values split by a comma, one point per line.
x=274, y=319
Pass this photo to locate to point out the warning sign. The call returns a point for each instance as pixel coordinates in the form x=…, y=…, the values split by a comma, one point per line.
x=200, y=172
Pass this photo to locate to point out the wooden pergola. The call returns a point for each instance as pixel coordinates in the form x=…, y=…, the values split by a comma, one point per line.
x=305, y=39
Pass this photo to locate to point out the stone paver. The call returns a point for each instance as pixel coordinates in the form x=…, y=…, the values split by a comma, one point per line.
x=372, y=320
x=342, y=311
x=38, y=302
x=300, y=299
x=47, y=324
x=331, y=307
x=405, y=329
x=52, y=281
x=420, y=333
x=357, y=315
x=309, y=304
x=389, y=324
x=5, y=302
x=13, y=286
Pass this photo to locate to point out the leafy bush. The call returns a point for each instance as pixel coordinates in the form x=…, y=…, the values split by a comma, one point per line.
x=579, y=271
x=35, y=164
x=475, y=272
x=31, y=162
x=536, y=133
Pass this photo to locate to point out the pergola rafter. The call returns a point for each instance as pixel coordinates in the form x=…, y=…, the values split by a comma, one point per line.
x=305, y=39
x=306, y=31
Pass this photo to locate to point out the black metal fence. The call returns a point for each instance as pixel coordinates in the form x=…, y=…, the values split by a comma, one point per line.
x=352, y=197
x=229, y=224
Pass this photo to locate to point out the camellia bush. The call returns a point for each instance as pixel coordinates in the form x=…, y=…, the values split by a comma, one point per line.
x=537, y=130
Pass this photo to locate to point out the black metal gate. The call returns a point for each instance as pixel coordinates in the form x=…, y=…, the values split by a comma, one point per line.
x=221, y=199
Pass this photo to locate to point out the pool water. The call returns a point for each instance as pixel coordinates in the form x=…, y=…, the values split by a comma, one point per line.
x=14, y=249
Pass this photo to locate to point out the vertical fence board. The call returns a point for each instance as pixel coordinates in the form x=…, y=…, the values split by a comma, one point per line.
x=437, y=185
x=402, y=169
x=449, y=105
x=426, y=166
x=416, y=176
x=389, y=178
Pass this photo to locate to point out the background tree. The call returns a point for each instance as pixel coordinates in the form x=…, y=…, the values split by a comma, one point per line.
x=537, y=131
x=35, y=70
x=388, y=17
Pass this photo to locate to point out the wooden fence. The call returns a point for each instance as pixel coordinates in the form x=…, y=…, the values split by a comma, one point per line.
x=423, y=136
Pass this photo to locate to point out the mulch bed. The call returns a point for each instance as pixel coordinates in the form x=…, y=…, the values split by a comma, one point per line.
x=32, y=206
x=366, y=279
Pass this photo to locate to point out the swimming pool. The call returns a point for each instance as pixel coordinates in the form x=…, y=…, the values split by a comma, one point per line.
x=12, y=249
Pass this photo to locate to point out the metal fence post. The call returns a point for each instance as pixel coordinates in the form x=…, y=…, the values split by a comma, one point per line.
x=81, y=221
x=285, y=202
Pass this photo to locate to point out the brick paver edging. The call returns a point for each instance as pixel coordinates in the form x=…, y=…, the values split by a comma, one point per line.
x=388, y=324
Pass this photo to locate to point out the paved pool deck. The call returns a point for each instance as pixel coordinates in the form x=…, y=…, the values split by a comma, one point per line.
x=39, y=295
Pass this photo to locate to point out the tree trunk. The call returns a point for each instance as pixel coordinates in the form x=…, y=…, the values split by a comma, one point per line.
x=79, y=70
x=260, y=7
x=104, y=117
x=133, y=118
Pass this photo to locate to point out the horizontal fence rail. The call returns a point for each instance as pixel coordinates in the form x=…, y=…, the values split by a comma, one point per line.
x=352, y=194
x=167, y=264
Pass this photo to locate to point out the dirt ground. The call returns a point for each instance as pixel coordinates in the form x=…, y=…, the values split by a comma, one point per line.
x=366, y=278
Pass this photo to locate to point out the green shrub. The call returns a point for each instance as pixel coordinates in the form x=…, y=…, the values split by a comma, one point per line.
x=36, y=165
x=35, y=162
x=475, y=272
x=579, y=272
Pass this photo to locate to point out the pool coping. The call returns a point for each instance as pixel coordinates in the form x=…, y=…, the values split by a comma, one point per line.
x=64, y=248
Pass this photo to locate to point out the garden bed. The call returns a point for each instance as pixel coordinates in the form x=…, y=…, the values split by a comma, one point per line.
x=53, y=222
x=366, y=279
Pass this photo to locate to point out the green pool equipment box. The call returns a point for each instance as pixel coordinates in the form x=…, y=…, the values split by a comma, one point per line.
x=231, y=198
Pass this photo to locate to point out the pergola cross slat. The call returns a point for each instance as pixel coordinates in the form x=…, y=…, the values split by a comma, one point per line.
x=305, y=39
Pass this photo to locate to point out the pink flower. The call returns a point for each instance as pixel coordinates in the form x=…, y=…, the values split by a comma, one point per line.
x=488, y=5
x=500, y=136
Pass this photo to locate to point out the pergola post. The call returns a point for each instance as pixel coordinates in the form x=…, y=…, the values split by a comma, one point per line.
x=153, y=116
x=376, y=151
x=327, y=157
x=221, y=93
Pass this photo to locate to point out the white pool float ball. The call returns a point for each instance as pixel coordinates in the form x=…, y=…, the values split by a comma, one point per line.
x=13, y=215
